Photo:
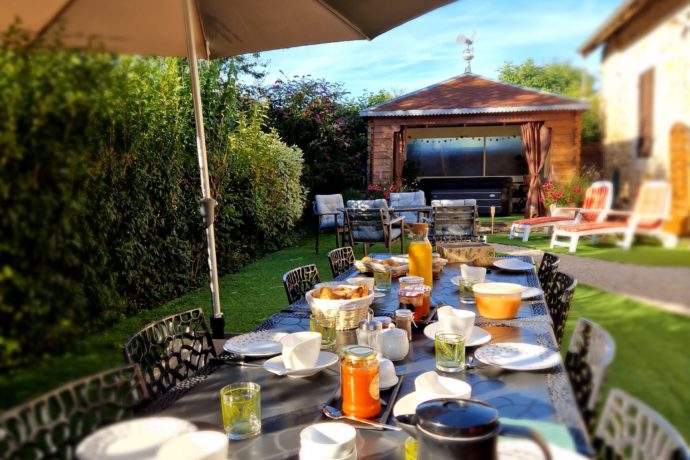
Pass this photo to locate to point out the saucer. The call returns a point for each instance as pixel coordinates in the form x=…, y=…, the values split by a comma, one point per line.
x=531, y=292
x=390, y=384
x=479, y=335
x=513, y=265
x=277, y=366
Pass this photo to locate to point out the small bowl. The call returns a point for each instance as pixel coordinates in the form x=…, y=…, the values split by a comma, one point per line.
x=498, y=300
x=330, y=439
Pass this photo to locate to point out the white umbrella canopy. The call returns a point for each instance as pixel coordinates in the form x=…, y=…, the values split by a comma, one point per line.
x=208, y=29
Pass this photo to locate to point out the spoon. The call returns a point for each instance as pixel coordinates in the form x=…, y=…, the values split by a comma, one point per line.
x=332, y=412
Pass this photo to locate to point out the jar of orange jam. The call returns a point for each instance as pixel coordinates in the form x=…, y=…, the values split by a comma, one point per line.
x=359, y=381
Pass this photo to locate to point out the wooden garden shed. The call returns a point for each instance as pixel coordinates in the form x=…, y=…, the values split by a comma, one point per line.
x=467, y=131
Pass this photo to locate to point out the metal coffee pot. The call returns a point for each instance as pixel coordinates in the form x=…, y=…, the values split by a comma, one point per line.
x=461, y=429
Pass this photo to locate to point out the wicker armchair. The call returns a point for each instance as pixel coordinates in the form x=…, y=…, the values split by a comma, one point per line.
x=171, y=350
x=374, y=225
x=328, y=210
x=300, y=280
x=341, y=260
x=589, y=356
x=52, y=425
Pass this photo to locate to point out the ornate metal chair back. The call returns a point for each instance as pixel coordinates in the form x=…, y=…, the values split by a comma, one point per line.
x=559, y=296
x=171, y=350
x=52, y=425
x=547, y=269
x=300, y=280
x=629, y=429
x=589, y=356
x=341, y=260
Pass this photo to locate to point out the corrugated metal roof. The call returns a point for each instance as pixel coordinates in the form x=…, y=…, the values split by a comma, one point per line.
x=472, y=94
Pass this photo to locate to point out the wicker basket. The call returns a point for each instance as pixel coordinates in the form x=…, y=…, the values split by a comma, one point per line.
x=348, y=313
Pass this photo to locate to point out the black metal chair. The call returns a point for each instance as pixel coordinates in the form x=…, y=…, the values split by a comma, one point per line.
x=547, y=269
x=589, y=356
x=52, y=425
x=341, y=260
x=559, y=296
x=629, y=429
x=300, y=280
x=171, y=350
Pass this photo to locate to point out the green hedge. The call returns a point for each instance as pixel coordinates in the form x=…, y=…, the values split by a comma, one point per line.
x=99, y=187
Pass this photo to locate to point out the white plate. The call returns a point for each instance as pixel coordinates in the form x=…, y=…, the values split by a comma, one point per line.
x=513, y=265
x=387, y=385
x=134, y=439
x=406, y=405
x=518, y=356
x=277, y=366
x=479, y=335
x=256, y=344
x=523, y=449
x=531, y=292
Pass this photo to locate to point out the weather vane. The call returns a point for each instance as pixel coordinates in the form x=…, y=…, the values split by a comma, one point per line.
x=467, y=53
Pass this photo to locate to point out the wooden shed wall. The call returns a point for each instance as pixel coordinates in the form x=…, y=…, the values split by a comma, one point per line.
x=564, y=154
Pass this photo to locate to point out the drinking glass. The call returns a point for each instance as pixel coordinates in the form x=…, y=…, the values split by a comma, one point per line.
x=326, y=326
x=382, y=280
x=240, y=405
x=450, y=351
x=466, y=292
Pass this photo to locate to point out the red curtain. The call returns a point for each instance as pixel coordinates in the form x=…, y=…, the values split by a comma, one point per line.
x=537, y=140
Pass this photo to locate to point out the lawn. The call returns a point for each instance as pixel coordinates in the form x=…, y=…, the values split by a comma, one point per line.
x=655, y=370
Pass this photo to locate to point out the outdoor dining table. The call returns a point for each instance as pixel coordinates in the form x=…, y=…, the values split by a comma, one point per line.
x=290, y=404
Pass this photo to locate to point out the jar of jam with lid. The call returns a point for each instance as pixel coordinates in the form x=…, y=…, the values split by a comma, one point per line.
x=359, y=381
x=413, y=300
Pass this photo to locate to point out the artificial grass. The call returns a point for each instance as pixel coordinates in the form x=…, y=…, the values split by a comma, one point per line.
x=651, y=360
x=647, y=252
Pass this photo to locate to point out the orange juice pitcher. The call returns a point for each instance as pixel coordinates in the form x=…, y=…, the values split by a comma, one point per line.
x=420, y=254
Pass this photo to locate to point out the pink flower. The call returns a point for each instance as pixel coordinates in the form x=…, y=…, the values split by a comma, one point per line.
x=317, y=117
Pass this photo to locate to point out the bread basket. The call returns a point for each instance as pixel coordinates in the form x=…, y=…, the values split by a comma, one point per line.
x=348, y=312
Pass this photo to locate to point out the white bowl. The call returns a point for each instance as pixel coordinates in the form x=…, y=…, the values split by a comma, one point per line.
x=430, y=385
x=199, y=445
x=328, y=440
x=329, y=304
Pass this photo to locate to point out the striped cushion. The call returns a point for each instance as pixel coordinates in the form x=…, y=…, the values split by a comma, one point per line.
x=595, y=198
x=542, y=220
x=589, y=226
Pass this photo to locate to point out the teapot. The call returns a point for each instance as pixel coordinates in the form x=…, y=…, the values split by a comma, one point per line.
x=393, y=344
x=462, y=429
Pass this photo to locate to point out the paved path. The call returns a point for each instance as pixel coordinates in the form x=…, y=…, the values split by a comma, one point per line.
x=667, y=288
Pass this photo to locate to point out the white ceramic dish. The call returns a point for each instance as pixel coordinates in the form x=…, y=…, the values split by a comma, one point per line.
x=406, y=405
x=378, y=295
x=197, y=445
x=479, y=335
x=456, y=280
x=276, y=365
x=329, y=440
x=522, y=449
x=518, y=356
x=531, y=293
x=513, y=265
x=390, y=384
x=135, y=439
x=259, y=344
x=431, y=385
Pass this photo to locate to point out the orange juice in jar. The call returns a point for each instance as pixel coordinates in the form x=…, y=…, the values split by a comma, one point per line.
x=359, y=381
x=419, y=252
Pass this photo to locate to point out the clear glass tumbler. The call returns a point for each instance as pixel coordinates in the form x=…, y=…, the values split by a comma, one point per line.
x=450, y=351
x=383, y=280
x=240, y=405
x=325, y=325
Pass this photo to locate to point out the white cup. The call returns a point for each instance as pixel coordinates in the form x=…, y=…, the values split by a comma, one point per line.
x=386, y=371
x=458, y=321
x=301, y=349
x=364, y=280
x=197, y=445
x=393, y=343
x=475, y=273
x=331, y=440
x=430, y=386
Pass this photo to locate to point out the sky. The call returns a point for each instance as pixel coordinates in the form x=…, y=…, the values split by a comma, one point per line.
x=424, y=51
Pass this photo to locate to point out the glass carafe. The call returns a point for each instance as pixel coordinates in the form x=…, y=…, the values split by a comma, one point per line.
x=420, y=254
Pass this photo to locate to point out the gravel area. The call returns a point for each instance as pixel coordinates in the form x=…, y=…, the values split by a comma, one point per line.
x=662, y=287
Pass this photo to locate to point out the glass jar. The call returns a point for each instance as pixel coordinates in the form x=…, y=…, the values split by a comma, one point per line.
x=359, y=381
x=368, y=331
x=407, y=281
x=413, y=300
x=403, y=320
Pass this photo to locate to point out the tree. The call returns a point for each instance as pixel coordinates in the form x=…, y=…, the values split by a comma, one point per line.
x=559, y=78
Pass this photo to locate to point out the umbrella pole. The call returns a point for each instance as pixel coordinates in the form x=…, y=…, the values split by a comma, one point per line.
x=207, y=203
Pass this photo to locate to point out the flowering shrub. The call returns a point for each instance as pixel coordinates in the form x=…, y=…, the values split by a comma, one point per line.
x=569, y=193
x=381, y=190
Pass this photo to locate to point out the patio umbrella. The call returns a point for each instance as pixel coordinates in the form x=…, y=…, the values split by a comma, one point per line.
x=209, y=29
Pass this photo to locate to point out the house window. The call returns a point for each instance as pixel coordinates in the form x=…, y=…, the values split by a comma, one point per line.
x=645, y=114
